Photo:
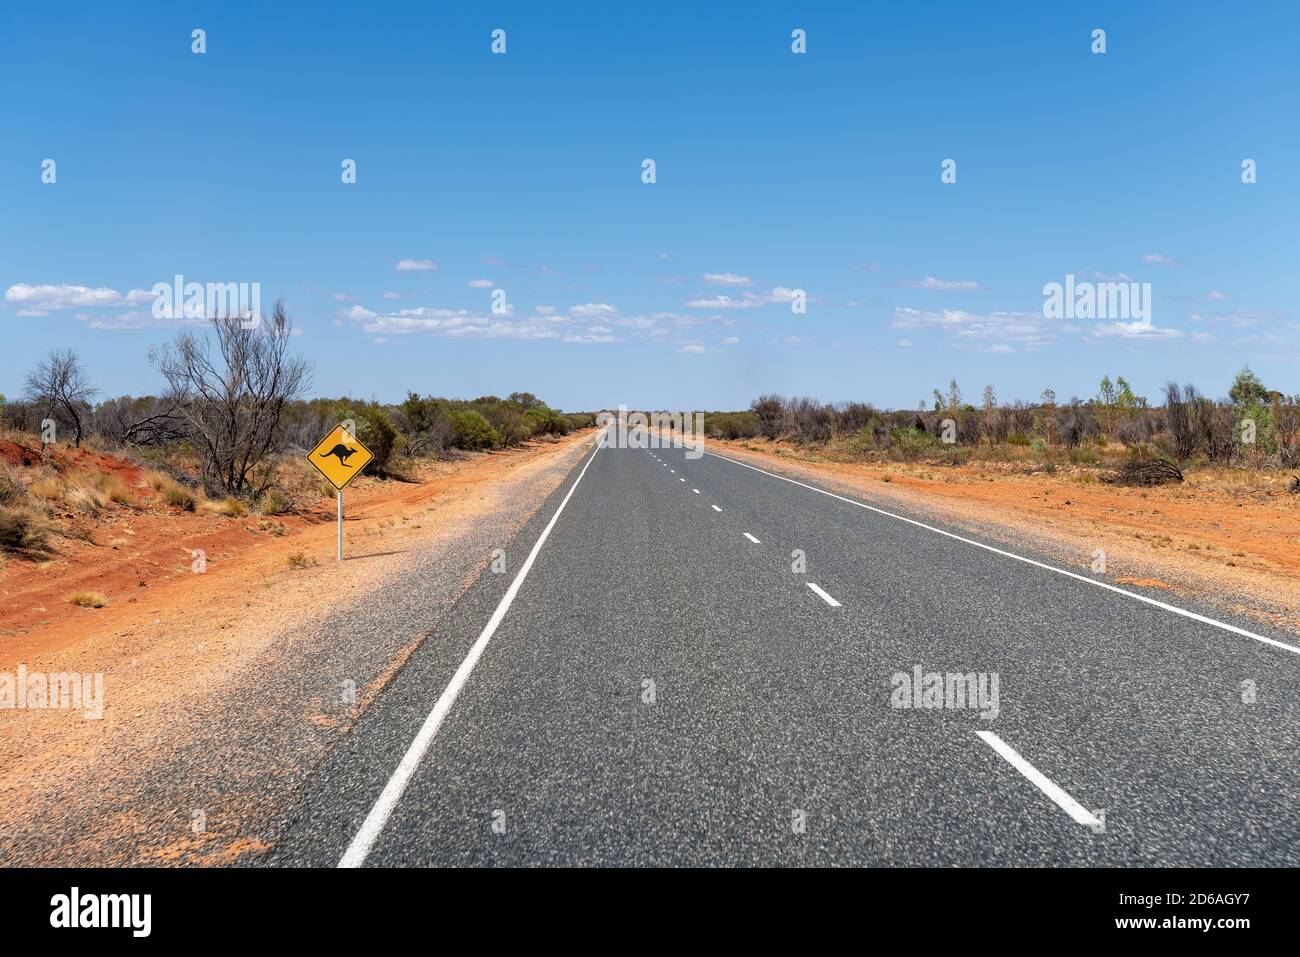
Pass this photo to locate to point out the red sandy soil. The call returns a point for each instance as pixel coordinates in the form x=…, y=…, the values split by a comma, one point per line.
x=140, y=556
x=160, y=654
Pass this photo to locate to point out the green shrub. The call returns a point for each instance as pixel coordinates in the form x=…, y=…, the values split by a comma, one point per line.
x=472, y=431
x=374, y=429
x=544, y=421
x=732, y=425
x=911, y=444
x=506, y=419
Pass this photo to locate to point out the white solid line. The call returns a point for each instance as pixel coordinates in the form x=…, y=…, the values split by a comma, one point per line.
x=751, y=537
x=374, y=823
x=1041, y=781
x=1203, y=619
x=825, y=597
x=716, y=509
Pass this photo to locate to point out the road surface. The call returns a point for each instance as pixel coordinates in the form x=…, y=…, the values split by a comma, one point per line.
x=697, y=662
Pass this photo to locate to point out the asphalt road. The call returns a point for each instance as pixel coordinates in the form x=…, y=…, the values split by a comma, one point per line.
x=665, y=686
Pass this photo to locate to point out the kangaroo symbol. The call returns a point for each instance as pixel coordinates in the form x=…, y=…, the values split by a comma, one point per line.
x=341, y=452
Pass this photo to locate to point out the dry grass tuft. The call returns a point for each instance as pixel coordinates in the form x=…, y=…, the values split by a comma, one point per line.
x=87, y=599
x=86, y=498
x=50, y=488
x=22, y=531
x=229, y=507
x=178, y=496
x=112, y=487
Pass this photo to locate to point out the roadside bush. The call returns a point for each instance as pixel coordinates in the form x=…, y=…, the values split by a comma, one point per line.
x=472, y=431
x=911, y=444
x=375, y=430
x=732, y=425
x=546, y=421
x=506, y=419
x=771, y=415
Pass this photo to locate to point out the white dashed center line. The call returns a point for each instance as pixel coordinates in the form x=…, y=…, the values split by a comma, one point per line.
x=747, y=535
x=1041, y=781
x=824, y=597
x=696, y=491
x=716, y=509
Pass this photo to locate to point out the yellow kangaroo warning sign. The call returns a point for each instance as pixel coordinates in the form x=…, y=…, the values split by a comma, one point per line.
x=340, y=457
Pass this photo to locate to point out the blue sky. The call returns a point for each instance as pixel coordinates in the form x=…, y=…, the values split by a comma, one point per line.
x=775, y=172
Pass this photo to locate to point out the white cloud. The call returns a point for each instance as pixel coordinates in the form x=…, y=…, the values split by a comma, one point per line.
x=1241, y=328
x=1159, y=260
x=340, y=296
x=591, y=310
x=724, y=302
x=41, y=300
x=973, y=330
x=730, y=340
x=480, y=284
x=1142, y=329
x=929, y=282
x=416, y=265
x=64, y=296
x=727, y=279
x=866, y=267
x=392, y=295
x=1214, y=296
x=469, y=324
x=747, y=300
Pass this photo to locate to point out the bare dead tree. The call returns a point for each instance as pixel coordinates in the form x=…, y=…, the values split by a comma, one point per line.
x=1178, y=420
x=59, y=384
x=233, y=385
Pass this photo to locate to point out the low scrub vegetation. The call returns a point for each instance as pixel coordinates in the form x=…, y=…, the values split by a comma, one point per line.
x=227, y=433
x=1136, y=441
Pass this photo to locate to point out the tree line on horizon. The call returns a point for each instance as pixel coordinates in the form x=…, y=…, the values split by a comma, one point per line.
x=234, y=399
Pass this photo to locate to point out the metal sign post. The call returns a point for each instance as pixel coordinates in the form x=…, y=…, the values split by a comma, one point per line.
x=340, y=524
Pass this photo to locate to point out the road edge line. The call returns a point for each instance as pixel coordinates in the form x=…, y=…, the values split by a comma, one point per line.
x=373, y=825
x=1194, y=616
